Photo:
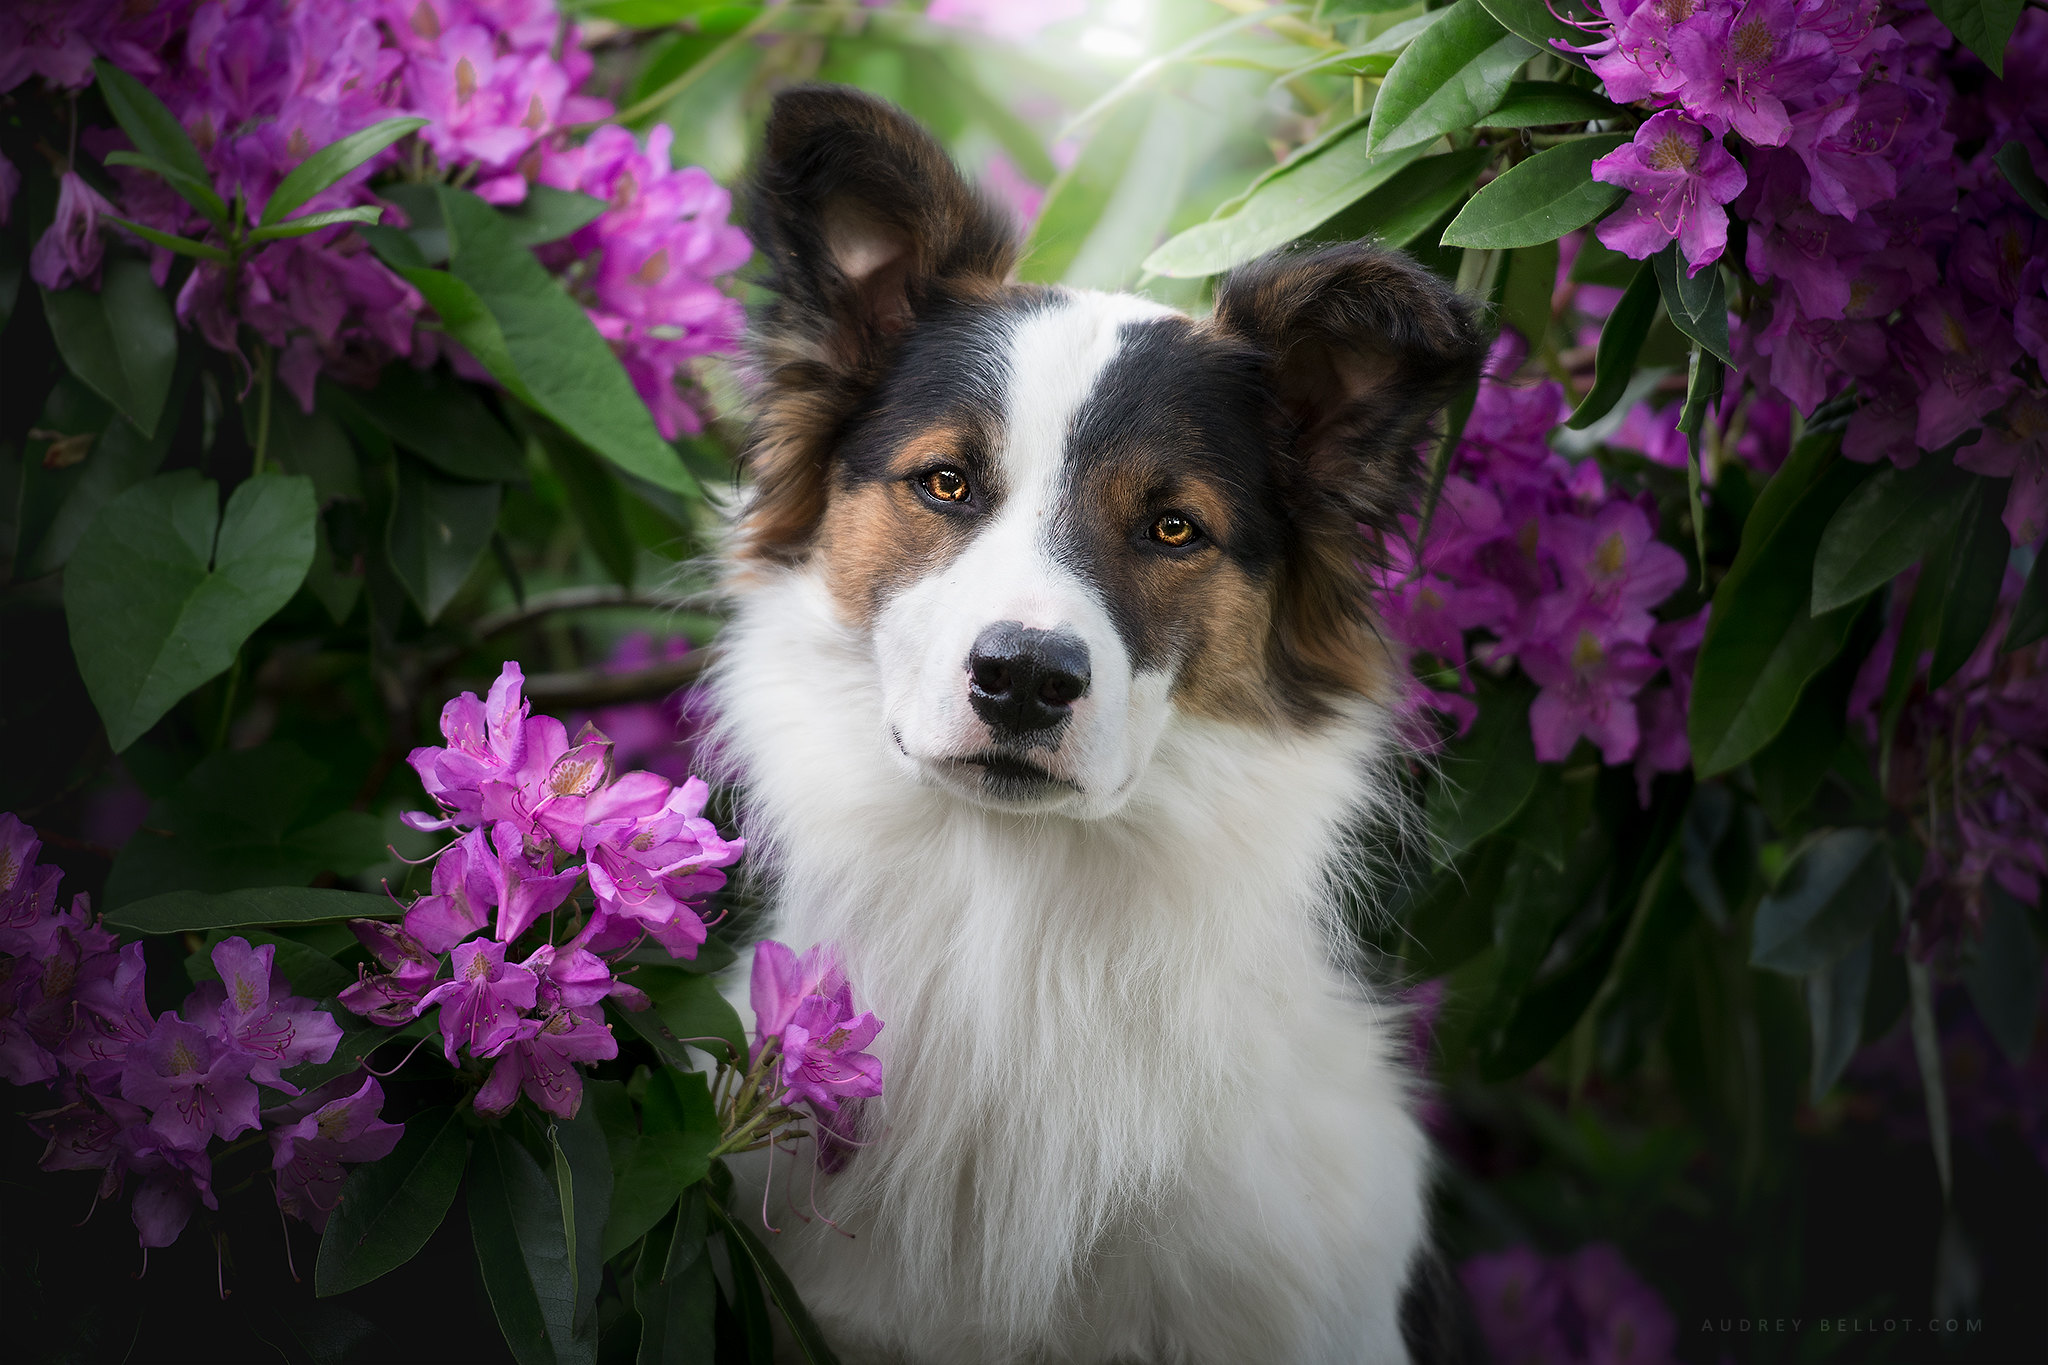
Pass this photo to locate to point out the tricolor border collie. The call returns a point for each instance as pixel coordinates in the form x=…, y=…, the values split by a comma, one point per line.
x=1059, y=703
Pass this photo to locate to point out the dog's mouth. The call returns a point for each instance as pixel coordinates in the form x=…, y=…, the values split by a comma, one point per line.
x=996, y=775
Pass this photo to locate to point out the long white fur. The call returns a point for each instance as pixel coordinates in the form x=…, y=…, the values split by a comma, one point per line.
x=1136, y=1110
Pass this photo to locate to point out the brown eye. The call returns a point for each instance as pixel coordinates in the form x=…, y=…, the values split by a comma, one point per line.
x=1175, y=530
x=947, y=485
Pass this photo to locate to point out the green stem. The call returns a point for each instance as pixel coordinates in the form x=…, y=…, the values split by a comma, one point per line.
x=263, y=369
x=655, y=101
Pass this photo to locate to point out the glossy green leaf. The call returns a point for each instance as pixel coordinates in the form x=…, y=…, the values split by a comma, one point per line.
x=1526, y=296
x=314, y=222
x=156, y=132
x=594, y=500
x=1789, y=770
x=1762, y=644
x=439, y=529
x=1887, y=524
x=360, y=1041
x=1417, y=195
x=1825, y=903
x=689, y=1005
x=194, y=190
x=183, y=246
x=548, y=214
x=2019, y=172
x=442, y=420
x=1972, y=573
x=583, y=1184
x=1450, y=76
x=1077, y=196
x=1282, y=209
x=809, y=1340
x=1538, y=22
x=2004, y=976
x=1621, y=341
x=389, y=1208
x=59, y=504
x=515, y=1224
x=164, y=588
x=121, y=340
x=1539, y=200
x=469, y=321
x=2029, y=614
x=1484, y=778
x=1834, y=1000
x=1376, y=55
x=1544, y=104
x=328, y=165
x=1696, y=304
x=563, y=366
x=674, y=1290
x=190, y=911
x=671, y=1154
x=1983, y=26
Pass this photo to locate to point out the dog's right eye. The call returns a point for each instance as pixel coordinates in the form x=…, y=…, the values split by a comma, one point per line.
x=944, y=485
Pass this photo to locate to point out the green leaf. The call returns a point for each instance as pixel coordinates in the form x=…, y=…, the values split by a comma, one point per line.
x=314, y=222
x=158, y=134
x=1376, y=55
x=184, y=246
x=2019, y=171
x=673, y=1154
x=2029, y=614
x=1762, y=645
x=1972, y=573
x=194, y=190
x=743, y=1242
x=675, y=1293
x=1887, y=524
x=388, y=1209
x=122, y=340
x=1484, y=779
x=1281, y=210
x=59, y=504
x=1538, y=22
x=1416, y=196
x=441, y=419
x=163, y=589
x=583, y=1182
x=1983, y=26
x=1828, y=900
x=190, y=911
x=1621, y=341
x=1789, y=770
x=1696, y=304
x=593, y=496
x=1834, y=1002
x=1449, y=77
x=439, y=530
x=1526, y=298
x=560, y=362
x=358, y=1046
x=1545, y=104
x=2004, y=976
x=548, y=214
x=689, y=1005
x=1539, y=200
x=515, y=1223
x=324, y=167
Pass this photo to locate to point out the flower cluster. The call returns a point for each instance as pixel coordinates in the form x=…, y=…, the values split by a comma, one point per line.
x=808, y=1065
x=1967, y=766
x=147, y=1095
x=1561, y=572
x=538, y=815
x=1585, y=1307
x=260, y=84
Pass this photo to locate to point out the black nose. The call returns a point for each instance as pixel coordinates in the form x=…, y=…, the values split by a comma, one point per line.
x=1023, y=680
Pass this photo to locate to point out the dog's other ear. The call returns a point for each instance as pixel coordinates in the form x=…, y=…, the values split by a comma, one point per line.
x=1361, y=346
x=864, y=223
x=861, y=215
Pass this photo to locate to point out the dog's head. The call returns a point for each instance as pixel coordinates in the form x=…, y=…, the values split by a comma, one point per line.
x=1062, y=518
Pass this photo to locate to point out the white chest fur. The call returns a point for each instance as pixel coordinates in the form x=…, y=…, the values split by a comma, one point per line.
x=1133, y=1111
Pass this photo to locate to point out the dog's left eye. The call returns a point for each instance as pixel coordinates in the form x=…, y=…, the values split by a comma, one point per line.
x=945, y=485
x=1176, y=531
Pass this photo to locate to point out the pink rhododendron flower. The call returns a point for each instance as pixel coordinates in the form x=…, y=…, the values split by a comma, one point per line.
x=481, y=1008
x=542, y=1060
x=822, y=1058
x=1678, y=176
x=307, y=1155
x=69, y=252
x=782, y=981
x=196, y=1083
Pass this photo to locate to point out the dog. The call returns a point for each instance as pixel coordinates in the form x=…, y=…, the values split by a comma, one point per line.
x=1055, y=685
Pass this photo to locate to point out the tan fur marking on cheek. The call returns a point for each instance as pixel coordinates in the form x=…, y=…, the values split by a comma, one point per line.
x=1224, y=674
x=876, y=540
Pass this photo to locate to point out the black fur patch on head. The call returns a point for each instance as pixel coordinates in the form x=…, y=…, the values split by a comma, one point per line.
x=866, y=229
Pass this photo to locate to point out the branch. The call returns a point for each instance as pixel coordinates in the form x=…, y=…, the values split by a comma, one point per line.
x=580, y=599
x=593, y=687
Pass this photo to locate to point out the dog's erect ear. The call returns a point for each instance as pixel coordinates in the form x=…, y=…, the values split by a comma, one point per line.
x=864, y=223
x=861, y=215
x=1362, y=347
